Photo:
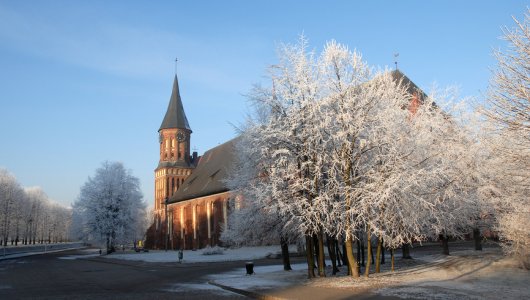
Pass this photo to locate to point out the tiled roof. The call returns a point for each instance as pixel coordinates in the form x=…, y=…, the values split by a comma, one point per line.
x=209, y=175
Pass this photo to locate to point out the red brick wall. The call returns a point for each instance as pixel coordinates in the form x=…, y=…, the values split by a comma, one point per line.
x=201, y=239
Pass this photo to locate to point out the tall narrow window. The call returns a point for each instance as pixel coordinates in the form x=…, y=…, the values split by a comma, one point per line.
x=167, y=188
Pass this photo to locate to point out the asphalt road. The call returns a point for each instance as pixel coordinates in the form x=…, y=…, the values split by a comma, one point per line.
x=50, y=277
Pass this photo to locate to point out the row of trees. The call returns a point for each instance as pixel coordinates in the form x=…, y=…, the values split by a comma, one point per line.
x=110, y=209
x=28, y=216
x=336, y=151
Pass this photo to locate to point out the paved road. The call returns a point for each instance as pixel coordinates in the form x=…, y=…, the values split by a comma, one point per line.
x=50, y=277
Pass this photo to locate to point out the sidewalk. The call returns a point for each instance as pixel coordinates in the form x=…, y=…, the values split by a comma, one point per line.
x=23, y=251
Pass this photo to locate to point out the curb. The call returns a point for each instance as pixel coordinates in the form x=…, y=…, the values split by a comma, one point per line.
x=246, y=293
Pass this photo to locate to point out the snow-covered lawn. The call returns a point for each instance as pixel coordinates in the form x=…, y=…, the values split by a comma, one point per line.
x=463, y=275
x=243, y=253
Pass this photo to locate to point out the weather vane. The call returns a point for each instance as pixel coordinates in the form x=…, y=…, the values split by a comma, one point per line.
x=396, y=59
x=176, y=60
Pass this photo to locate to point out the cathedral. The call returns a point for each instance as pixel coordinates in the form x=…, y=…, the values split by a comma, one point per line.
x=191, y=199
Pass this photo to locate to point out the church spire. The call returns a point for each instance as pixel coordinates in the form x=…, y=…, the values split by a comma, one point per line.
x=175, y=116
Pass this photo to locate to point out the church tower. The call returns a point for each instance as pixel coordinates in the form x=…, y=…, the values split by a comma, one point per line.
x=175, y=163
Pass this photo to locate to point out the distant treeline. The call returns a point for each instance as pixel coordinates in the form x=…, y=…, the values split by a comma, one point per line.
x=28, y=216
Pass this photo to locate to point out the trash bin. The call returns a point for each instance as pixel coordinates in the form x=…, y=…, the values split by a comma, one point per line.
x=250, y=267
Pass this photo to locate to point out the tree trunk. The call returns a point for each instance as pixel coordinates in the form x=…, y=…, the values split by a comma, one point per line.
x=445, y=244
x=310, y=257
x=406, y=252
x=339, y=255
x=478, y=239
x=345, y=256
x=285, y=255
x=392, y=259
x=321, y=255
x=108, y=244
x=352, y=263
x=382, y=252
x=363, y=256
x=378, y=255
x=315, y=250
x=359, y=259
x=332, y=254
x=369, y=249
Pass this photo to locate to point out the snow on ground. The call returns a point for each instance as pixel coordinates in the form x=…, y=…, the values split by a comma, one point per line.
x=467, y=275
x=243, y=253
x=463, y=275
x=264, y=277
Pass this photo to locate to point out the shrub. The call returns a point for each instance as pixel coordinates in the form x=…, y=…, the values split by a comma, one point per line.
x=213, y=250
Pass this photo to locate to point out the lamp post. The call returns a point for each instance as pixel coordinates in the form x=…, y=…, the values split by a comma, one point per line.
x=167, y=223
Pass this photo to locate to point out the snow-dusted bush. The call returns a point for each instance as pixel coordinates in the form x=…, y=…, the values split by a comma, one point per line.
x=215, y=250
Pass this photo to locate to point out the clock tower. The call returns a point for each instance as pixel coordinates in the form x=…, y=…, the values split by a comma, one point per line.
x=175, y=163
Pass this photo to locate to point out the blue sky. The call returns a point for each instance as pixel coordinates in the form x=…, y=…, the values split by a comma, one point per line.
x=82, y=82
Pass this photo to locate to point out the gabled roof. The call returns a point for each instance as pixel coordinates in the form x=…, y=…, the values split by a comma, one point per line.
x=209, y=176
x=411, y=87
x=175, y=116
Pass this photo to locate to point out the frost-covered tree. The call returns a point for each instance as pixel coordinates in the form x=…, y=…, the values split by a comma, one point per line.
x=110, y=207
x=253, y=220
x=27, y=215
x=507, y=112
x=339, y=151
x=10, y=194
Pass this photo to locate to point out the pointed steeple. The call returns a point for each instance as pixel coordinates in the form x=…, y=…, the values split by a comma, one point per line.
x=175, y=116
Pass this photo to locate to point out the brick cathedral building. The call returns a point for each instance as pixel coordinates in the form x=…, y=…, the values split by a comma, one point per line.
x=191, y=199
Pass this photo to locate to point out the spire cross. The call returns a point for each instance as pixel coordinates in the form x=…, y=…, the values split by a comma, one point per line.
x=396, y=60
x=176, y=60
